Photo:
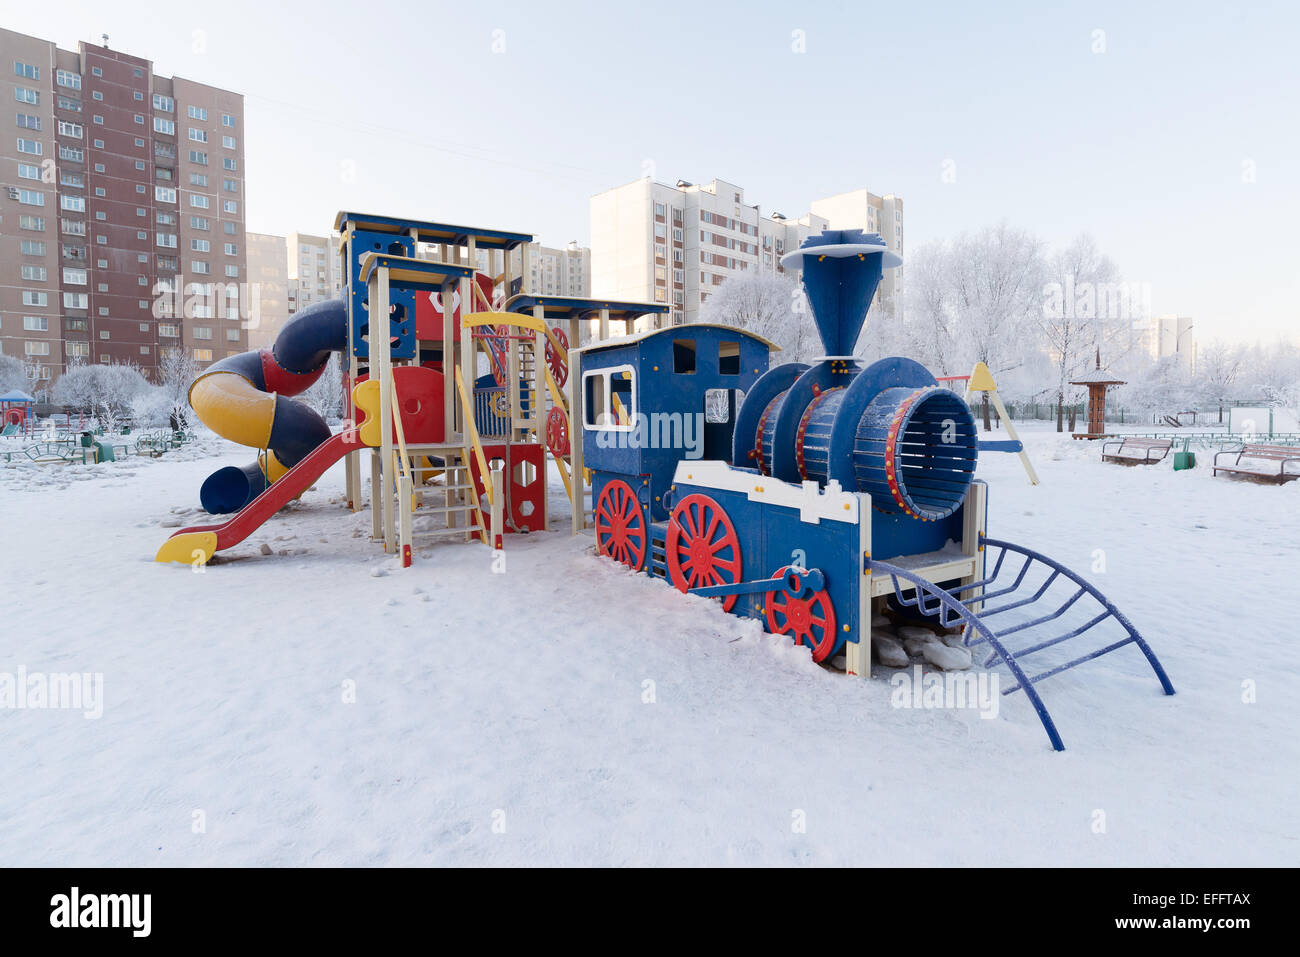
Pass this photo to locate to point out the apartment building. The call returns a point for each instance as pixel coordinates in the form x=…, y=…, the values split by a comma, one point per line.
x=862, y=209
x=122, y=210
x=315, y=273
x=268, y=278
x=677, y=244
x=557, y=272
x=1172, y=336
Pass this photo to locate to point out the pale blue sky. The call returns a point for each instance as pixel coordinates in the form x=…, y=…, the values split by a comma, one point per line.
x=1142, y=145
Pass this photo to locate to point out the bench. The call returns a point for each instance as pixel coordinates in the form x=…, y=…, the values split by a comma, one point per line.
x=1135, y=451
x=1262, y=456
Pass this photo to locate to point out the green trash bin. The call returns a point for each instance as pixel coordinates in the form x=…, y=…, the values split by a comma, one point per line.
x=105, y=452
x=1185, y=459
x=87, y=440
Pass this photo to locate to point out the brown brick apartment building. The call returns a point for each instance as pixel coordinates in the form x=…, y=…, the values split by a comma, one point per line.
x=121, y=210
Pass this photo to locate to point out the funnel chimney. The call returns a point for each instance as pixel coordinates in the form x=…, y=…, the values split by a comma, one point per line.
x=841, y=270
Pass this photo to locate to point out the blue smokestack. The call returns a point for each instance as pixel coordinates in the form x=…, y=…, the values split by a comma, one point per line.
x=841, y=270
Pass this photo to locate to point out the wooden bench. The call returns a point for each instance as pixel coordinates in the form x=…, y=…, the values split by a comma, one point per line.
x=1135, y=451
x=1262, y=456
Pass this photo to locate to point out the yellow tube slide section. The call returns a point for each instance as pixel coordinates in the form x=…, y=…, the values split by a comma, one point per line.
x=234, y=408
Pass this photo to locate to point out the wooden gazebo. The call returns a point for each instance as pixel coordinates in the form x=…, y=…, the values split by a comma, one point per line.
x=1097, y=380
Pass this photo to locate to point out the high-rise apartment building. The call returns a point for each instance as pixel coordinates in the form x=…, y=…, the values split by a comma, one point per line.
x=122, y=211
x=1172, y=336
x=314, y=270
x=557, y=272
x=268, y=278
x=676, y=244
x=861, y=209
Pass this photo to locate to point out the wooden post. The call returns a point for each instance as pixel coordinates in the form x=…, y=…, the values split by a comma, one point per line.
x=577, y=416
x=857, y=656
x=497, y=467
x=974, y=524
x=382, y=368
x=448, y=359
x=376, y=498
x=604, y=324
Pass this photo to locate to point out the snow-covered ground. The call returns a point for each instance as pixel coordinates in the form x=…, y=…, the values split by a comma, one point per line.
x=320, y=705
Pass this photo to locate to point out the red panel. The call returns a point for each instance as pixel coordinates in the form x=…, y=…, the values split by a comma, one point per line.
x=525, y=502
x=420, y=395
x=428, y=310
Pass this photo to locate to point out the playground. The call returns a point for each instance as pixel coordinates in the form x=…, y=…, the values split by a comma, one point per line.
x=474, y=692
x=790, y=645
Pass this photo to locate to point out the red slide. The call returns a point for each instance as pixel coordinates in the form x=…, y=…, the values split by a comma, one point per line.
x=197, y=544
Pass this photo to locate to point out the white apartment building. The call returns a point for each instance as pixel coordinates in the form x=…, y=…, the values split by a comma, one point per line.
x=1172, y=336
x=268, y=276
x=676, y=244
x=552, y=271
x=314, y=272
x=861, y=209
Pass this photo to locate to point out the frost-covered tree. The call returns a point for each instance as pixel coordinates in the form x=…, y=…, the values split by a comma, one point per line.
x=104, y=391
x=176, y=371
x=976, y=299
x=770, y=306
x=1219, y=365
x=11, y=374
x=1081, y=317
x=326, y=393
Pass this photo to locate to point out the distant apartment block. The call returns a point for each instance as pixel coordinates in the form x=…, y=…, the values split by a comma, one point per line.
x=314, y=270
x=860, y=209
x=121, y=209
x=268, y=278
x=1172, y=336
x=676, y=244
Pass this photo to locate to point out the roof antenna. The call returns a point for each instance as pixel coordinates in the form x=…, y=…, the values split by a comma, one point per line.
x=105, y=36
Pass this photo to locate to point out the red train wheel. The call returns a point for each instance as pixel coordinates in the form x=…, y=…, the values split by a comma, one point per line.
x=810, y=620
x=558, y=361
x=557, y=432
x=702, y=547
x=620, y=525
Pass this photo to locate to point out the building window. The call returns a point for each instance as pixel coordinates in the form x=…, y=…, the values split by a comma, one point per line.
x=25, y=94
x=34, y=223
x=27, y=70
x=74, y=277
x=230, y=164
x=233, y=250
x=76, y=300
x=228, y=142
x=30, y=147
x=164, y=103
x=167, y=240
x=164, y=194
x=203, y=355
x=33, y=273
x=69, y=79
x=198, y=136
x=199, y=267
x=200, y=222
x=198, y=157
x=28, y=121
x=68, y=103
x=200, y=245
x=199, y=202
x=74, y=204
x=37, y=348
x=163, y=125
x=198, y=113
x=230, y=206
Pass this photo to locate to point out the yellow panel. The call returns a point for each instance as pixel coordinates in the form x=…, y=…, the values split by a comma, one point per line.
x=981, y=380
x=188, y=549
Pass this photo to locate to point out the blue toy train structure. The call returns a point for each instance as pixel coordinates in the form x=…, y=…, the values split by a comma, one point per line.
x=813, y=496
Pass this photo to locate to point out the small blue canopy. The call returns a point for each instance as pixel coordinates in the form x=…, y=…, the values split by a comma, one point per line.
x=13, y=395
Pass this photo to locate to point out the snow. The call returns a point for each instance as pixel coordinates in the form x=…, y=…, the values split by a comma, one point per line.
x=321, y=705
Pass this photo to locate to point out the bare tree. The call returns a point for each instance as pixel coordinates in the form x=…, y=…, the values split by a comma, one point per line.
x=1218, y=367
x=326, y=394
x=770, y=306
x=976, y=299
x=176, y=370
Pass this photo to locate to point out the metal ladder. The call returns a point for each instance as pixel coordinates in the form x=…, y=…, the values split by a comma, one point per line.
x=1029, y=632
